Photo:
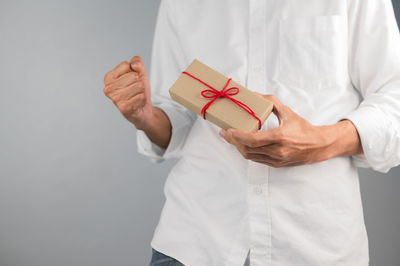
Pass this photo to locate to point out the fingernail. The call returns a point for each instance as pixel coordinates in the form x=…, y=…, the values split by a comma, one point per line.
x=136, y=63
x=222, y=133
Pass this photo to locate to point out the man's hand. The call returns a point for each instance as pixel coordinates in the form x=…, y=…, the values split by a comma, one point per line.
x=127, y=85
x=295, y=141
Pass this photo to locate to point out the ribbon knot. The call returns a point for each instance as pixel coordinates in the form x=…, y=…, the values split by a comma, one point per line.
x=214, y=94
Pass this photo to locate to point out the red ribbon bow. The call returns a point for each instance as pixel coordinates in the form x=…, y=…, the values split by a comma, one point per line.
x=225, y=93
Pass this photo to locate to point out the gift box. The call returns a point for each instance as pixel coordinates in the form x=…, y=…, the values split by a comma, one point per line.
x=220, y=99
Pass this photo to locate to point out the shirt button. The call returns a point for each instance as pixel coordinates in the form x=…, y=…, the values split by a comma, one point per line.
x=257, y=190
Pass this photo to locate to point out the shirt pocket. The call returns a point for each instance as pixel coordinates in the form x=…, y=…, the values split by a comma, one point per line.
x=313, y=52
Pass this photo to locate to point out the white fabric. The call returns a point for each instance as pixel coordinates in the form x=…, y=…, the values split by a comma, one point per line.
x=327, y=60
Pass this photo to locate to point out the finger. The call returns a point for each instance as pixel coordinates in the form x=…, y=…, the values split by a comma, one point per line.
x=266, y=155
x=270, y=164
x=128, y=92
x=265, y=160
x=252, y=140
x=279, y=108
x=278, y=163
x=227, y=135
x=126, y=80
x=134, y=104
x=291, y=164
x=268, y=159
x=121, y=83
x=224, y=133
x=137, y=65
x=269, y=150
x=254, y=156
x=118, y=71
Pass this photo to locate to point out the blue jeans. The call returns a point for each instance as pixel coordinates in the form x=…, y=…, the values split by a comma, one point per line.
x=160, y=259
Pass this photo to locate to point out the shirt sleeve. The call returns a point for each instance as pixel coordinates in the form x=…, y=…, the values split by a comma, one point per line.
x=167, y=62
x=374, y=68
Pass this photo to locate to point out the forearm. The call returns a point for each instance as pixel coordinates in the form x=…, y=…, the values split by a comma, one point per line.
x=158, y=128
x=343, y=139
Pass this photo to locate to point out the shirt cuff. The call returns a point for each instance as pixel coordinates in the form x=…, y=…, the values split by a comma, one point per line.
x=148, y=148
x=180, y=123
x=379, y=138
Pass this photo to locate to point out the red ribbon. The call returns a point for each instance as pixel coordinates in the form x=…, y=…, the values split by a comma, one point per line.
x=225, y=93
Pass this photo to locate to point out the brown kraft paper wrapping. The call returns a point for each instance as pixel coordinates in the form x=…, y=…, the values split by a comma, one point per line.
x=222, y=112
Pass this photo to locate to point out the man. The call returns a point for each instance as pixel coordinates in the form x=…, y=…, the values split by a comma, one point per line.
x=288, y=194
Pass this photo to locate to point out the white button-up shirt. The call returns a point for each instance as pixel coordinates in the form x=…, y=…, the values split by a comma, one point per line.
x=327, y=60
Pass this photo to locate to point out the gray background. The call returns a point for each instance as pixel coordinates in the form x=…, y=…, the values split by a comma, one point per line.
x=73, y=189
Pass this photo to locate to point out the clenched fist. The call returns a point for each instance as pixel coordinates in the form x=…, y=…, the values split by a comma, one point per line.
x=128, y=86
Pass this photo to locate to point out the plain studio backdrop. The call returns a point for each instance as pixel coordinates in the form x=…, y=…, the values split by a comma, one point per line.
x=73, y=189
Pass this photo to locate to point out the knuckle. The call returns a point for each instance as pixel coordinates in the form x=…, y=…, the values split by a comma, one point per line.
x=124, y=67
x=281, y=136
x=285, y=153
x=125, y=64
x=106, y=90
x=123, y=107
x=108, y=77
x=254, y=142
x=281, y=153
x=269, y=96
x=116, y=98
x=272, y=98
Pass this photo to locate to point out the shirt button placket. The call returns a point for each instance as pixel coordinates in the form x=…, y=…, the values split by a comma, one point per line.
x=260, y=228
x=257, y=190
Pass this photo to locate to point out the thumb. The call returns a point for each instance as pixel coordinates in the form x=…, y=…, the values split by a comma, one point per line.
x=137, y=65
x=279, y=108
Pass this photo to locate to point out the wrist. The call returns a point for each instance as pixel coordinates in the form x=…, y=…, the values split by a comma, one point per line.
x=146, y=120
x=342, y=139
x=157, y=127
